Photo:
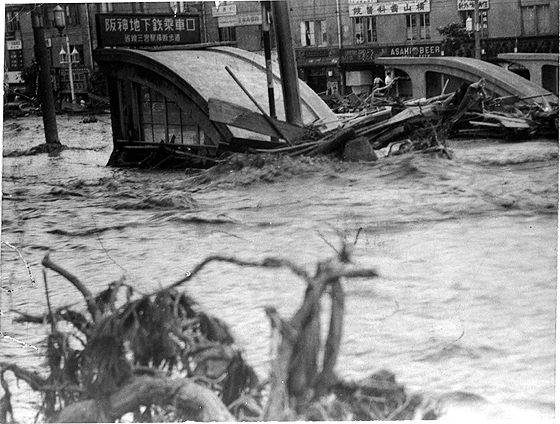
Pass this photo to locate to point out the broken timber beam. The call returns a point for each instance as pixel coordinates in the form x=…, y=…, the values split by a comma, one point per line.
x=240, y=117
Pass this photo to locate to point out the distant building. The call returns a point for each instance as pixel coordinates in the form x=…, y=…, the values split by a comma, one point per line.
x=336, y=42
x=242, y=28
x=19, y=44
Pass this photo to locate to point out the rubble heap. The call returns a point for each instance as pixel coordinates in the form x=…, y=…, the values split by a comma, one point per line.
x=425, y=124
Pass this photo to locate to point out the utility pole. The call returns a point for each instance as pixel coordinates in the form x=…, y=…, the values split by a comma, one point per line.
x=287, y=61
x=268, y=57
x=45, y=85
x=476, y=21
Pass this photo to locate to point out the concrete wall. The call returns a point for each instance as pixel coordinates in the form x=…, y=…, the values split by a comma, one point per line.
x=391, y=29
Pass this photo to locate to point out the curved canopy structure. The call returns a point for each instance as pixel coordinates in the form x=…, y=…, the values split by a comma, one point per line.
x=173, y=88
x=542, y=67
x=498, y=80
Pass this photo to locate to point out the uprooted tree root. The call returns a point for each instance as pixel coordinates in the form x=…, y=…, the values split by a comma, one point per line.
x=159, y=357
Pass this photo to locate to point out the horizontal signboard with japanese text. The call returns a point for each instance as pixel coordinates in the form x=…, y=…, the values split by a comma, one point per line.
x=241, y=19
x=13, y=45
x=227, y=10
x=389, y=8
x=361, y=2
x=145, y=30
x=469, y=4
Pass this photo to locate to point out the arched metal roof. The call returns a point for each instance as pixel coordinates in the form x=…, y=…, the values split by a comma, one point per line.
x=201, y=75
x=498, y=80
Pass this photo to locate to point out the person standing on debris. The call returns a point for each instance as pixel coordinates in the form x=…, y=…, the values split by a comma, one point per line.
x=377, y=83
x=389, y=84
x=388, y=79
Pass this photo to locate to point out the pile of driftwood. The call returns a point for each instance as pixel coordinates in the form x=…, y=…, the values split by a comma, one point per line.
x=352, y=103
x=470, y=111
x=415, y=125
x=159, y=357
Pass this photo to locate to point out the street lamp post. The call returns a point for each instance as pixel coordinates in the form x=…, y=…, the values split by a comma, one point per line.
x=70, y=57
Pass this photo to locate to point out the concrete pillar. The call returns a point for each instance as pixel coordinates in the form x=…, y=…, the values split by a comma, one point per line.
x=418, y=80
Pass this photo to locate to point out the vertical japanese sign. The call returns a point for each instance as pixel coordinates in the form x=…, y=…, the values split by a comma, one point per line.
x=147, y=29
x=371, y=8
x=15, y=55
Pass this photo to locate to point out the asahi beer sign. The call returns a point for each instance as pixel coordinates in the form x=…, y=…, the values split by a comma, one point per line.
x=369, y=54
x=415, y=51
x=388, y=8
x=146, y=30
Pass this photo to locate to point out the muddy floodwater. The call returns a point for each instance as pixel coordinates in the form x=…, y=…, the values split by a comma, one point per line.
x=466, y=249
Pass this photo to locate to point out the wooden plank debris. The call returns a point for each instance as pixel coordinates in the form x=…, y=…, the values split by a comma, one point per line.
x=240, y=117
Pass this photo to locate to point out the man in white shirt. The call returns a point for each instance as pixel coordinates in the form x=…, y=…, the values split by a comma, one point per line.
x=388, y=79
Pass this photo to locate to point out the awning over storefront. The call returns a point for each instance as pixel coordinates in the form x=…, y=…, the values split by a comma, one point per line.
x=308, y=57
x=319, y=62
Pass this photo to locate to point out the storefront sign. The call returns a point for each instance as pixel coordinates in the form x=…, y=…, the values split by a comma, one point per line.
x=147, y=30
x=308, y=57
x=15, y=60
x=469, y=4
x=361, y=2
x=224, y=11
x=315, y=53
x=390, y=8
x=369, y=54
x=13, y=77
x=414, y=51
x=14, y=45
x=241, y=19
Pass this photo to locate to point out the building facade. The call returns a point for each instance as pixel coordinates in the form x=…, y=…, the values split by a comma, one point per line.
x=336, y=42
x=239, y=24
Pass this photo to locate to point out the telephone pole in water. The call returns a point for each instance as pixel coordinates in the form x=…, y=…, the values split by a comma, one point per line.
x=45, y=87
x=476, y=22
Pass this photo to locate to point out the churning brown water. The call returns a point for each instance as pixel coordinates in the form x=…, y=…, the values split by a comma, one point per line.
x=467, y=250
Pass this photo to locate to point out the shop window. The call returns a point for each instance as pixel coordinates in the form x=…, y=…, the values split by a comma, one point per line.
x=418, y=26
x=80, y=49
x=313, y=33
x=72, y=14
x=162, y=120
x=12, y=21
x=48, y=16
x=482, y=18
x=365, y=30
x=536, y=19
x=139, y=7
x=227, y=34
x=105, y=7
